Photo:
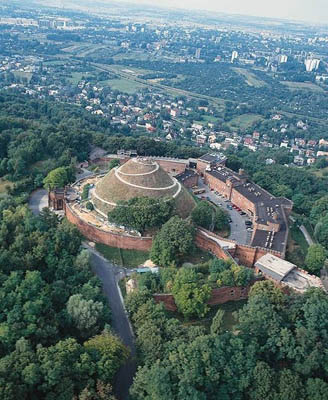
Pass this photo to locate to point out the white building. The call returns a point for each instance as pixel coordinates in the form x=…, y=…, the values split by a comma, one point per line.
x=234, y=56
x=311, y=64
x=282, y=58
x=197, y=53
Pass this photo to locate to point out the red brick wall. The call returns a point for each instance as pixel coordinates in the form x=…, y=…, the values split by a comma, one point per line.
x=167, y=300
x=191, y=181
x=217, y=185
x=171, y=166
x=248, y=255
x=242, y=202
x=108, y=238
x=201, y=167
x=207, y=244
x=219, y=296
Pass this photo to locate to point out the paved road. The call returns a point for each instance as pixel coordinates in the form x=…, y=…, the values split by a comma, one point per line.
x=38, y=200
x=110, y=275
x=238, y=231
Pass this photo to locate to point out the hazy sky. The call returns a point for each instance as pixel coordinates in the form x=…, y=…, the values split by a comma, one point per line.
x=307, y=10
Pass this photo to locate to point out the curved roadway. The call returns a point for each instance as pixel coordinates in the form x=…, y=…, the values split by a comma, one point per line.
x=109, y=274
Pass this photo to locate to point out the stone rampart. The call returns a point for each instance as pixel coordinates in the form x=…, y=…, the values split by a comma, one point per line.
x=218, y=296
x=109, y=238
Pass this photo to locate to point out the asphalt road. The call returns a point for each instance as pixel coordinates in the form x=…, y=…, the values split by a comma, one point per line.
x=110, y=275
x=238, y=231
x=38, y=200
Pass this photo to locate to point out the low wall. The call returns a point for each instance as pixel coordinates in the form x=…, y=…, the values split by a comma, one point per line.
x=207, y=244
x=219, y=296
x=110, y=239
x=248, y=255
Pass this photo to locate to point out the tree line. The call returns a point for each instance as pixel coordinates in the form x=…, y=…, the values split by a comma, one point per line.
x=56, y=339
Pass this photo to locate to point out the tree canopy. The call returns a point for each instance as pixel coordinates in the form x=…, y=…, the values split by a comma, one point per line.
x=174, y=240
x=141, y=213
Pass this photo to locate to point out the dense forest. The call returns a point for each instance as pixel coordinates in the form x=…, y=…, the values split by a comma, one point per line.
x=278, y=354
x=54, y=320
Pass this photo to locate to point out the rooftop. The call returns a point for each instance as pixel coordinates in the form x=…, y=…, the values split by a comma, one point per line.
x=287, y=273
x=274, y=266
x=186, y=174
x=213, y=158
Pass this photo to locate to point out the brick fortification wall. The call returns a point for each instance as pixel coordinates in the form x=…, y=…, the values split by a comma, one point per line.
x=207, y=244
x=219, y=296
x=248, y=256
x=110, y=239
x=171, y=166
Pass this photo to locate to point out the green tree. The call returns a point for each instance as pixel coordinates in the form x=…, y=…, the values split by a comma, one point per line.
x=85, y=314
x=315, y=258
x=220, y=220
x=141, y=213
x=263, y=379
x=319, y=209
x=316, y=389
x=202, y=215
x=56, y=178
x=190, y=295
x=173, y=241
x=321, y=231
x=113, y=164
x=217, y=322
x=108, y=353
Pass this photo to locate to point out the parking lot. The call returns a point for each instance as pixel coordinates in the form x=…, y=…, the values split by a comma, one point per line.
x=238, y=229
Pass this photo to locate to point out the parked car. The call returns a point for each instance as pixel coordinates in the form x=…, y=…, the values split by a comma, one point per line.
x=248, y=223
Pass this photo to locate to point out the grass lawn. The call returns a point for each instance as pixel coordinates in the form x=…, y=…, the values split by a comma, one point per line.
x=244, y=121
x=197, y=256
x=125, y=85
x=297, y=246
x=122, y=257
x=3, y=184
x=229, y=320
x=303, y=86
x=250, y=78
x=206, y=120
x=76, y=77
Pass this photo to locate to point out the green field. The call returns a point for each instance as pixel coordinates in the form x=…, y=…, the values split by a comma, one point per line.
x=76, y=77
x=206, y=120
x=244, y=121
x=250, y=78
x=125, y=85
x=122, y=257
x=303, y=86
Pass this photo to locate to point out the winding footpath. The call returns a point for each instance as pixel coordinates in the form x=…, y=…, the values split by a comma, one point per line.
x=110, y=275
